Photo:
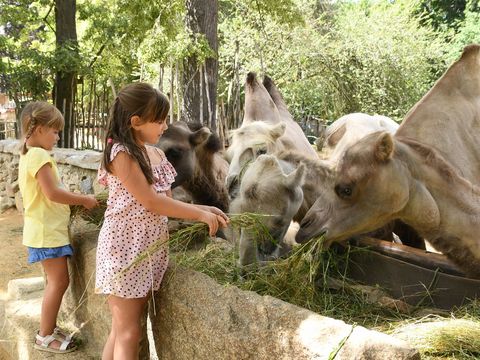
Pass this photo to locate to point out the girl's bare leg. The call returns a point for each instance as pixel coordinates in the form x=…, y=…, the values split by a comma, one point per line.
x=56, y=271
x=126, y=316
x=109, y=345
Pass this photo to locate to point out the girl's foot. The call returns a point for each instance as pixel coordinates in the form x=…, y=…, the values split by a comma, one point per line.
x=53, y=344
x=62, y=334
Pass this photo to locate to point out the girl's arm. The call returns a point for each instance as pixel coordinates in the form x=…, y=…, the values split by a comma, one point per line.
x=131, y=176
x=56, y=194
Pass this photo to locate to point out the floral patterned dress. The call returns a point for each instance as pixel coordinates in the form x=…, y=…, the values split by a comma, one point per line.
x=128, y=230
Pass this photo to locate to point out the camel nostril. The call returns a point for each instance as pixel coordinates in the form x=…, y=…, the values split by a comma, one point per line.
x=306, y=222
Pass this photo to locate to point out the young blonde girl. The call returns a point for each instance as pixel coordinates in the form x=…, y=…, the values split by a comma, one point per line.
x=138, y=179
x=46, y=216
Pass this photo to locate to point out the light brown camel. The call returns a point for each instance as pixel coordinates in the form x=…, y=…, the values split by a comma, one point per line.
x=426, y=175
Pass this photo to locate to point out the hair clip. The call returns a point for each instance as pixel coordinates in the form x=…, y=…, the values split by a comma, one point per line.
x=109, y=140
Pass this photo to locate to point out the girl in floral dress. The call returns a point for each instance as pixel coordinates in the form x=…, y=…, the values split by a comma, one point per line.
x=138, y=177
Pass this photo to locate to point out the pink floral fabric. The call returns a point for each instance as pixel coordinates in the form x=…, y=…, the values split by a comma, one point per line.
x=128, y=230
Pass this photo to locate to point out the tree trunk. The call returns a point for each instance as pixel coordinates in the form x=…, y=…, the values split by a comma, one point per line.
x=202, y=17
x=65, y=81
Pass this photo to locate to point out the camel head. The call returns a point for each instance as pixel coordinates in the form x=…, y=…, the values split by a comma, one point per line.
x=247, y=143
x=368, y=190
x=273, y=188
x=179, y=143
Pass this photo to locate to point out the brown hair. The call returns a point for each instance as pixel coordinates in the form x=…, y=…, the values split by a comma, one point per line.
x=39, y=113
x=139, y=99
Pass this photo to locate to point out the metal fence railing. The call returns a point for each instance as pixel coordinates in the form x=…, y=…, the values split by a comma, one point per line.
x=7, y=129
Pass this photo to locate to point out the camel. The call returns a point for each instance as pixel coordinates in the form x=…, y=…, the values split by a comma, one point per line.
x=194, y=153
x=264, y=129
x=425, y=175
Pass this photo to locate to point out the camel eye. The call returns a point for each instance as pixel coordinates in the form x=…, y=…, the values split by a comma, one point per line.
x=173, y=154
x=343, y=191
x=261, y=152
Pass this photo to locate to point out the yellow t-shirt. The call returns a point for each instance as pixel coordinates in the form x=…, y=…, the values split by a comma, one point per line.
x=45, y=221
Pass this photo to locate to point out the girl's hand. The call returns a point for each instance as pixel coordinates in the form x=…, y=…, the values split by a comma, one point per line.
x=217, y=211
x=213, y=221
x=214, y=210
x=89, y=201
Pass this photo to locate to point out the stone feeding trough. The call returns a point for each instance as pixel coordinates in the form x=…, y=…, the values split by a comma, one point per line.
x=418, y=277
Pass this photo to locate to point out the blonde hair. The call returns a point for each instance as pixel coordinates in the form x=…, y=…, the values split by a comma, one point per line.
x=39, y=113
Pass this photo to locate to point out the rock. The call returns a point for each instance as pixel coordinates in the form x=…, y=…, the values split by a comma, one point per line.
x=11, y=188
x=20, y=316
x=86, y=185
x=6, y=203
x=25, y=288
x=196, y=318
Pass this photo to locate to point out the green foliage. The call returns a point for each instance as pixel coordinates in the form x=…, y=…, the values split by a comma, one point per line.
x=327, y=58
x=365, y=56
x=26, y=49
x=442, y=14
x=385, y=60
x=66, y=58
x=468, y=30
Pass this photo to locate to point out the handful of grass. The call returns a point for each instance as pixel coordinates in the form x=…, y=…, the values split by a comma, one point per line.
x=95, y=215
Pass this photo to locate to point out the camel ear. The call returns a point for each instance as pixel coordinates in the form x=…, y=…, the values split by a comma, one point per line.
x=251, y=192
x=296, y=177
x=384, y=147
x=333, y=139
x=200, y=136
x=278, y=130
x=268, y=160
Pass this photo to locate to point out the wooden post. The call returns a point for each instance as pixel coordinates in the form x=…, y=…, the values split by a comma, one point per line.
x=177, y=89
x=209, y=107
x=171, y=94
x=160, y=78
x=201, y=85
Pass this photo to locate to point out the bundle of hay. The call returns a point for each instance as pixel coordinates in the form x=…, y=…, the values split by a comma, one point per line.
x=95, y=215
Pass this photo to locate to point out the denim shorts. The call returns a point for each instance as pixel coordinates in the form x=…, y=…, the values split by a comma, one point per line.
x=39, y=254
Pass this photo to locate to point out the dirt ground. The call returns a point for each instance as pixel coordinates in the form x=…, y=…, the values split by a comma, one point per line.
x=13, y=257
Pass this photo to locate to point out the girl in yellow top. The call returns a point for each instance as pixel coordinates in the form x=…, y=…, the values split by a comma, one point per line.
x=46, y=216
